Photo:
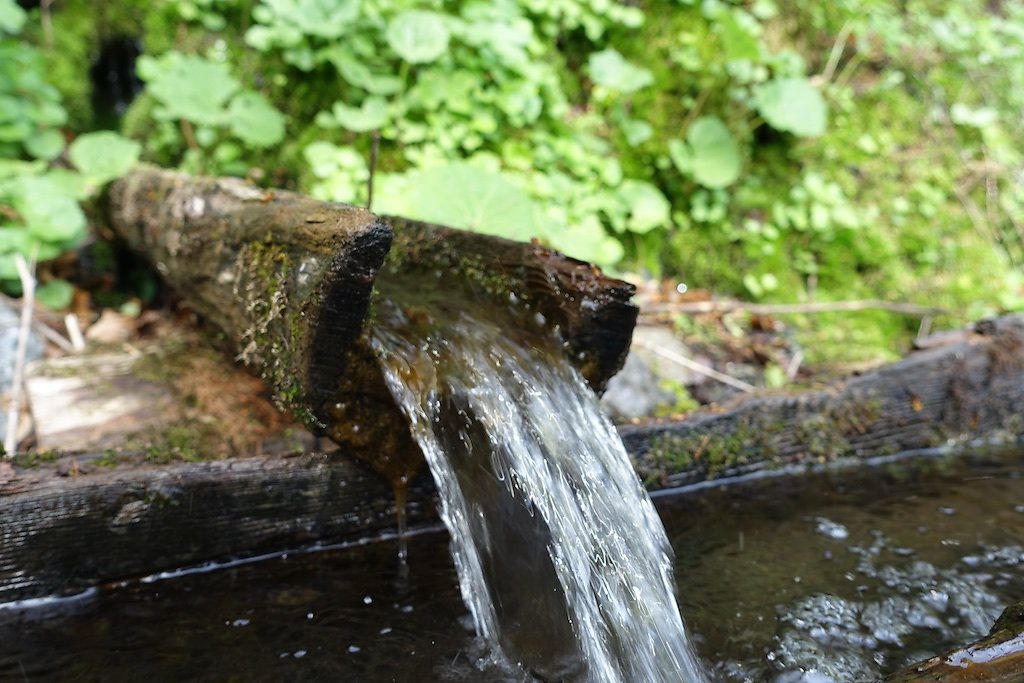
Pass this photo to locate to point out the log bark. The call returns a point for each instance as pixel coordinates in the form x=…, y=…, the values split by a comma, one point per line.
x=290, y=279
x=996, y=658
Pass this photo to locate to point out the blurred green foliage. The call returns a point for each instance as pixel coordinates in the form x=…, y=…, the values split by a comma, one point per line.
x=767, y=149
x=42, y=180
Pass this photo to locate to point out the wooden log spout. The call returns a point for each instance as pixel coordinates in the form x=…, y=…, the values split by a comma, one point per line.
x=290, y=280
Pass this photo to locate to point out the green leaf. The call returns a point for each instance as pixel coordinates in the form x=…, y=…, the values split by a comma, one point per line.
x=464, y=196
x=373, y=114
x=189, y=87
x=964, y=115
x=355, y=71
x=716, y=158
x=792, y=105
x=587, y=241
x=609, y=69
x=45, y=144
x=323, y=18
x=681, y=155
x=49, y=213
x=648, y=208
x=103, y=156
x=55, y=295
x=254, y=120
x=12, y=17
x=637, y=131
x=737, y=37
x=417, y=36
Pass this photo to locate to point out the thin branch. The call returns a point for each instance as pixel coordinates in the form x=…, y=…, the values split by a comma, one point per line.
x=28, y=288
x=695, y=366
x=837, y=52
x=783, y=309
x=374, y=148
x=47, y=20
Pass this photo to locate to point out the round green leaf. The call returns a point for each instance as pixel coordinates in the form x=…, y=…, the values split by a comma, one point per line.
x=716, y=160
x=648, y=208
x=609, y=69
x=189, y=87
x=255, y=121
x=373, y=114
x=55, y=295
x=48, y=211
x=104, y=155
x=417, y=36
x=792, y=105
x=464, y=196
x=45, y=144
x=12, y=17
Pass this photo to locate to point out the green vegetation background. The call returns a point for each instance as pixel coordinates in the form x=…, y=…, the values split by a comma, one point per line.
x=772, y=150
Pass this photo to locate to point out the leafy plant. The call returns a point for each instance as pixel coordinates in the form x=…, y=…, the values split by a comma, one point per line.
x=40, y=215
x=211, y=107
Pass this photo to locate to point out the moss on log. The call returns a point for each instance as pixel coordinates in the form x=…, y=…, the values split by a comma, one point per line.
x=290, y=280
x=947, y=394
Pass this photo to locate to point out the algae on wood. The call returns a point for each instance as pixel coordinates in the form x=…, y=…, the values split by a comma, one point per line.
x=289, y=279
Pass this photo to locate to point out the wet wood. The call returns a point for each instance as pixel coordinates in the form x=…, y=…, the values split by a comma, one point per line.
x=72, y=525
x=64, y=534
x=290, y=279
x=286, y=277
x=996, y=658
x=969, y=388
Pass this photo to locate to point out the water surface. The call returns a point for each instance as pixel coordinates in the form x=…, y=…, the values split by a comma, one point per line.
x=851, y=573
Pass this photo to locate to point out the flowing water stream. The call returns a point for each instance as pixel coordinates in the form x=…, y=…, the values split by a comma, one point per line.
x=562, y=559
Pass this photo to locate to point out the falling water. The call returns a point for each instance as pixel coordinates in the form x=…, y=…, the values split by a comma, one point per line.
x=562, y=558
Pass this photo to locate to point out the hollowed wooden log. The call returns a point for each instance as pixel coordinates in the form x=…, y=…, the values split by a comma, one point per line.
x=290, y=280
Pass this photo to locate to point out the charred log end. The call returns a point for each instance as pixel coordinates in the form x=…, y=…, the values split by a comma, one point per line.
x=592, y=310
x=336, y=313
x=596, y=312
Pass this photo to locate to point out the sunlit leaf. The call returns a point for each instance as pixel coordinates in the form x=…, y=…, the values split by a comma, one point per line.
x=189, y=87
x=417, y=36
x=45, y=144
x=792, y=105
x=648, y=208
x=103, y=156
x=255, y=121
x=49, y=213
x=373, y=114
x=637, y=131
x=716, y=159
x=609, y=69
x=464, y=196
x=12, y=17
x=964, y=115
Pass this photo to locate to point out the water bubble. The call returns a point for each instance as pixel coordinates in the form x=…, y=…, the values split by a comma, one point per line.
x=352, y=649
x=367, y=600
x=947, y=510
x=384, y=631
x=682, y=288
x=299, y=654
x=826, y=527
x=240, y=622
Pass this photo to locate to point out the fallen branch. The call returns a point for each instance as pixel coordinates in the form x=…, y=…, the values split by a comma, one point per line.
x=695, y=366
x=784, y=309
